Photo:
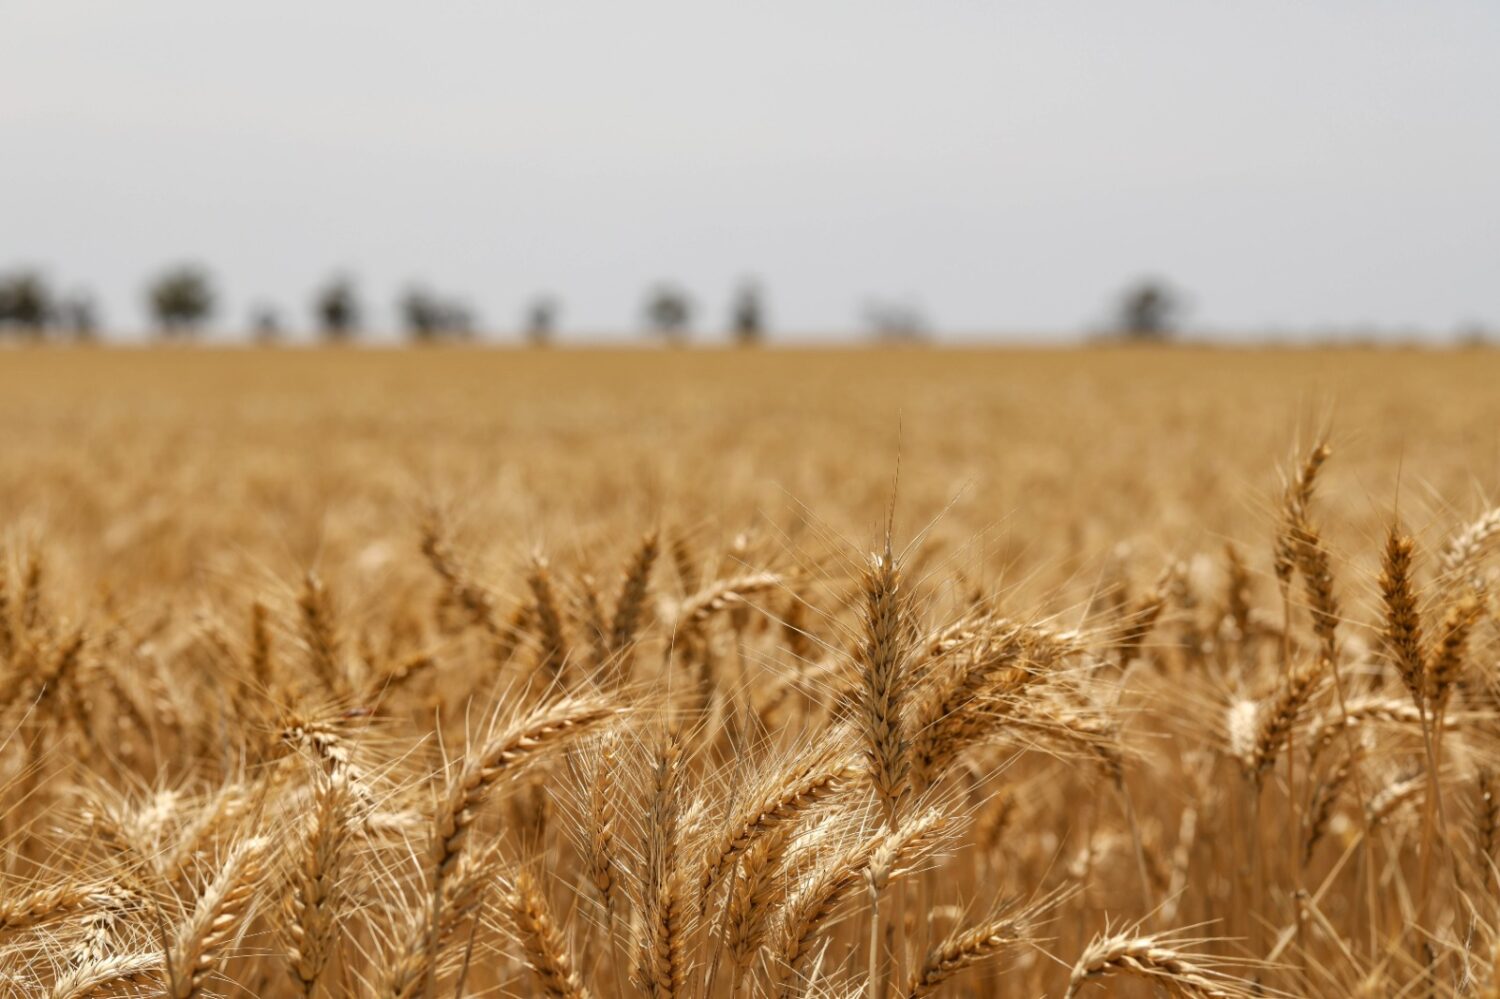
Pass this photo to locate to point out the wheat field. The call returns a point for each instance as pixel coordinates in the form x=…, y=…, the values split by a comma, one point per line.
x=781, y=673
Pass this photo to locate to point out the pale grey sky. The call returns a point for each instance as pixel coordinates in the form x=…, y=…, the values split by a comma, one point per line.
x=1006, y=165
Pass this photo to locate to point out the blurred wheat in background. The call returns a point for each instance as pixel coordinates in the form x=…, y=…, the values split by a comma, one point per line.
x=888, y=673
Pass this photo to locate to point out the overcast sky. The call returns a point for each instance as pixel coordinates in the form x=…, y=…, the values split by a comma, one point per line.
x=1007, y=166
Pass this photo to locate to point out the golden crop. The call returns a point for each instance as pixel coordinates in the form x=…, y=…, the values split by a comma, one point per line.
x=896, y=673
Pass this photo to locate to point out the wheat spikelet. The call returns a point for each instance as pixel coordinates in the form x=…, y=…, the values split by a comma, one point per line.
x=1295, y=500
x=321, y=733
x=541, y=942
x=883, y=659
x=783, y=799
x=694, y=613
x=1315, y=565
x=58, y=672
x=103, y=973
x=1467, y=549
x=1403, y=622
x=589, y=615
x=545, y=729
x=412, y=962
x=1279, y=717
x=99, y=929
x=874, y=859
x=1143, y=616
x=1071, y=732
x=963, y=949
x=663, y=967
x=1151, y=958
x=260, y=659
x=967, y=703
x=314, y=906
x=320, y=632
x=758, y=886
x=1446, y=661
x=601, y=842
x=220, y=914
x=42, y=905
x=1237, y=591
x=1325, y=729
x=475, y=600
x=682, y=561
x=630, y=605
x=547, y=618
x=31, y=592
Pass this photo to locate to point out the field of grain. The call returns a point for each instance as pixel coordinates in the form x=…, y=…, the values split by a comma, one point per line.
x=471, y=673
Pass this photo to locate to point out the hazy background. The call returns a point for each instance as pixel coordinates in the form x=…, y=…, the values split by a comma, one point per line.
x=1008, y=167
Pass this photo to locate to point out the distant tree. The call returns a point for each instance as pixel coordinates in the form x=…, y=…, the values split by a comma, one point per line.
x=26, y=304
x=429, y=317
x=458, y=320
x=541, y=321
x=422, y=314
x=181, y=300
x=78, y=317
x=265, y=324
x=895, y=322
x=336, y=307
x=1473, y=334
x=669, y=313
x=747, y=318
x=1149, y=310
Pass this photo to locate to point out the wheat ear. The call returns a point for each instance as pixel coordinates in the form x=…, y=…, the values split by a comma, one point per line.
x=1151, y=958
x=963, y=949
x=542, y=942
x=197, y=947
x=543, y=730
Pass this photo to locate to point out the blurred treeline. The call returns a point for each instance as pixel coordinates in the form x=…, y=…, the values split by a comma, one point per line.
x=183, y=301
